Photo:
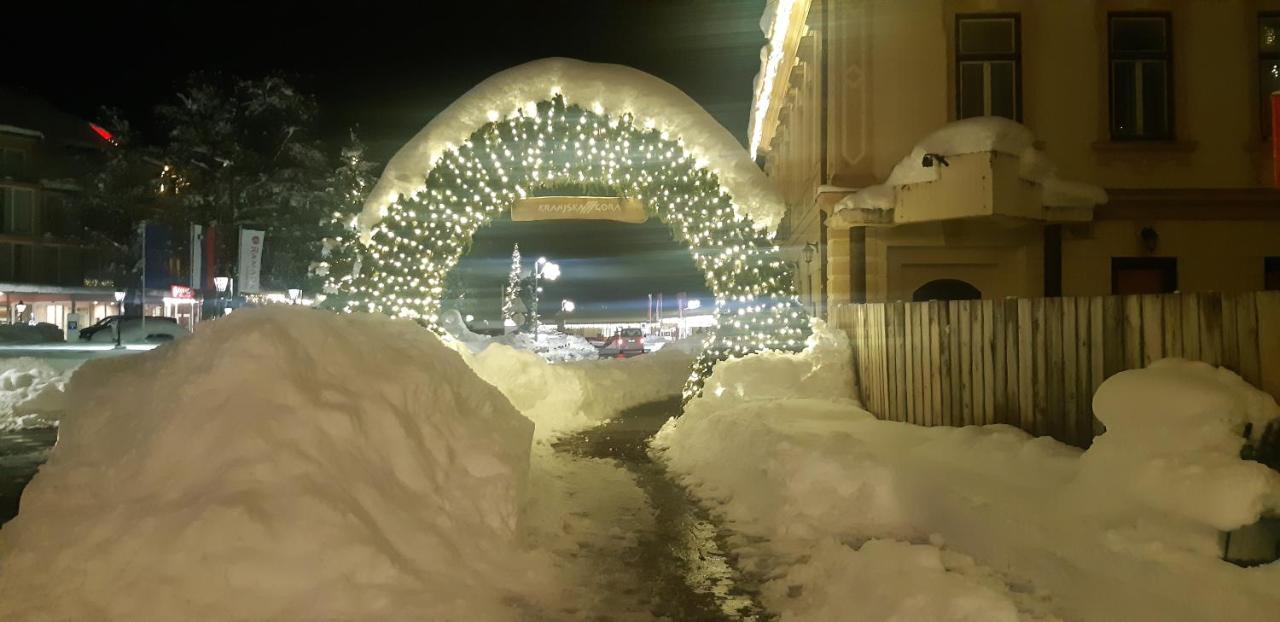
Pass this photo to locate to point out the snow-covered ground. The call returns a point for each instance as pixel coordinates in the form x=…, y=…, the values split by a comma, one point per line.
x=291, y=463
x=31, y=391
x=847, y=513
x=282, y=463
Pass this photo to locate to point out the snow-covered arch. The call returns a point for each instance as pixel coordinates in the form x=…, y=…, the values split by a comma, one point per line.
x=615, y=89
x=560, y=126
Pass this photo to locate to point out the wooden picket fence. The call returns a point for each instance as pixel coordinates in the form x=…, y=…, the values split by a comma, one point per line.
x=1035, y=363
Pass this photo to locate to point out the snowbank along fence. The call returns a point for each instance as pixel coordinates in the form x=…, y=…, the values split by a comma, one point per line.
x=1035, y=363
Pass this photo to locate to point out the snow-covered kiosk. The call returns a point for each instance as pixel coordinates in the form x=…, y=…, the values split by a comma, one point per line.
x=967, y=208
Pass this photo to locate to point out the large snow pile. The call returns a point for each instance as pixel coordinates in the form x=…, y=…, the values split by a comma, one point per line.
x=977, y=135
x=618, y=90
x=845, y=512
x=279, y=464
x=31, y=391
x=576, y=395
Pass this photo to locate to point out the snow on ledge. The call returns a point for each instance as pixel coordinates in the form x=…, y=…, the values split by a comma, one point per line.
x=618, y=89
x=977, y=135
x=20, y=131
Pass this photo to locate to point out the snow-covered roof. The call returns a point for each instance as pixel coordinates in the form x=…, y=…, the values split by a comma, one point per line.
x=21, y=131
x=977, y=135
x=618, y=90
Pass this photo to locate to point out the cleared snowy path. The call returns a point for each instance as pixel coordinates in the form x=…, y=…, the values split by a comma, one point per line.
x=632, y=543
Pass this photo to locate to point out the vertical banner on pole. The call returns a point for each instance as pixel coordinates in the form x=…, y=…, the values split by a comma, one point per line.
x=251, y=241
x=197, y=257
x=211, y=267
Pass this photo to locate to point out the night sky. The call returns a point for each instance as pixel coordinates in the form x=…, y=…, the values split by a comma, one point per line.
x=388, y=69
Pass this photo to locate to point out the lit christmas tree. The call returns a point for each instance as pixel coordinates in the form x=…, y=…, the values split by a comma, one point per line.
x=552, y=147
x=511, y=295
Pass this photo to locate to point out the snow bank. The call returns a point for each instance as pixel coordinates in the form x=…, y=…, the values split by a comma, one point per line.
x=280, y=464
x=576, y=395
x=31, y=391
x=552, y=345
x=977, y=135
x=619, y=90
x=1114, y=533
x=824, y=370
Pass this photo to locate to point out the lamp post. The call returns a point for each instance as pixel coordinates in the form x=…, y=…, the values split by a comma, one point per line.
x=542, y=269
x=566, y=307
x=220, y=283
x=119, y=296
x=21, y=308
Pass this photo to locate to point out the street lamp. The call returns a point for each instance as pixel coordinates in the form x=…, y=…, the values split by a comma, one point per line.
x=542, y=269
x=567, y=306
x=119, y=296
x=295, y=295
x=21, y=307
x=221, y=283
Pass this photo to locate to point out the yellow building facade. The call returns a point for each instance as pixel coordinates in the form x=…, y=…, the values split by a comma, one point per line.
x=1162, y=103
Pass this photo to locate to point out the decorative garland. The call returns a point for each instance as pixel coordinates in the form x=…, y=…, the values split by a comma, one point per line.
x=550, y=145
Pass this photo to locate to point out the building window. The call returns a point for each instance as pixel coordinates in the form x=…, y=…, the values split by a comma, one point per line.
x=1268, y=65
x=24, y=263
x=1141, y=62
x=1144, y=275
x=6, y=261
x=988, y=66
x=1271, y=269
x=13, y=163
x=18, y=210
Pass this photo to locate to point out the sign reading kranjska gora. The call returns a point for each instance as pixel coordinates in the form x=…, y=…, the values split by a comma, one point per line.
x=578, y=208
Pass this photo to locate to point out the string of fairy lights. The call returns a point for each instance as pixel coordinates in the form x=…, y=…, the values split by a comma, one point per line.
x=552, y=145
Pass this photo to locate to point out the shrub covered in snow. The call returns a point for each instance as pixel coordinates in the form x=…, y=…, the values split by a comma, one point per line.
x=280, y=464
x=29, y=333
x=1173, y=441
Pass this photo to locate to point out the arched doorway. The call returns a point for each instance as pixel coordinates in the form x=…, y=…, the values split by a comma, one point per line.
x=680, y=165
x=946, y=289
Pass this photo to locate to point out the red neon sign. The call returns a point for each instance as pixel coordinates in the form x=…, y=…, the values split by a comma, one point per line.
x=102, y=131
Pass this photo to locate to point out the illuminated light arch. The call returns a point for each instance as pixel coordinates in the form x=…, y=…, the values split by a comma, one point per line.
x=442, y=187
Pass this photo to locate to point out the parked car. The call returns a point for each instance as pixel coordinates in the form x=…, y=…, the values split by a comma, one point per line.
x=625, y=343
x=134, y=330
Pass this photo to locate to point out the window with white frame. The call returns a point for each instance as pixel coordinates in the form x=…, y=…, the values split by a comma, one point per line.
x=1141, y=67
x=988, y=66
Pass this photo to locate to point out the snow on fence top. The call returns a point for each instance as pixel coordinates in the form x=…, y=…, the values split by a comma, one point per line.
x=617, y=90
x=977, y=135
